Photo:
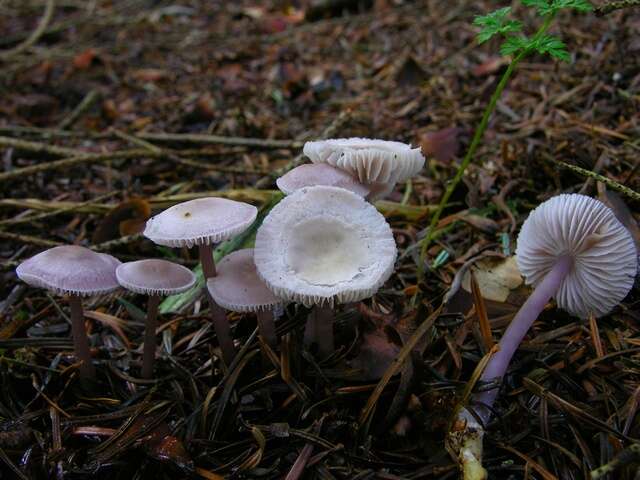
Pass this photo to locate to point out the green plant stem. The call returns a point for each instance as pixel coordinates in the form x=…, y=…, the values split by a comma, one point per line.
x=475, y=142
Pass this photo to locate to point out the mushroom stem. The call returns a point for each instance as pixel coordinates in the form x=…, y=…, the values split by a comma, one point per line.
x=149, y=348
x=319, y=330
x=218, y=316
x=267, y=327
x=80, y=340
x=519, y=326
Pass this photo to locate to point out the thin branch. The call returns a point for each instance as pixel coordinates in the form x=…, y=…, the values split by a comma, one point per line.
x=35, y=36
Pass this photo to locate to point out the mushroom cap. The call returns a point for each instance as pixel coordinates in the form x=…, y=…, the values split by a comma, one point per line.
x=237, y=286
x=322, y=245
x=200, y=222
x=605, y=260
x=369, y=159
x=71, y=269
x=312, y=174
x=155, y=277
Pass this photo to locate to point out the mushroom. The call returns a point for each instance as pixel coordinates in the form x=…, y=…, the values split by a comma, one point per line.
x=571, y=248
x=372, y=161
x=203, y=222
x=321, y=246
x=238, y=288
x=313, y=174
x=155, y=278
x=77, y=272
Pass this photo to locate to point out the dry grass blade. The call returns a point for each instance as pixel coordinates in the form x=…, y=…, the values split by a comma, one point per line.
x=481, y=313
x=396, y=365
x=544, y=473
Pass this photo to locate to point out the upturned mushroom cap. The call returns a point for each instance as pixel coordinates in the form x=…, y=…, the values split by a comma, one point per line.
x=238, y=288
x=322, y=245
x=605, y=260
x=369, y=159
x=313, y=174
x=71, y=269
x=155, y=277
x=200, y=222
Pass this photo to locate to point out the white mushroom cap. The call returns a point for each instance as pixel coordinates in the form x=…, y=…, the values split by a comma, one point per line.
x=370, y=160
x=155, y=277
x=200, y=222
x=313, y=174
x=605, y=260
x=71, y=269
x=238, y=288
x=322, y=245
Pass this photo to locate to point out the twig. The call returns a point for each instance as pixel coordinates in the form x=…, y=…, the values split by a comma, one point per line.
x=328, y=132
x=609, y=7
x=37, y=147
x=86, y=103
x=218, y=139
x=35, y=36
x=41, y=242
x=596, y=176
x=626, y=457
x=42, y=216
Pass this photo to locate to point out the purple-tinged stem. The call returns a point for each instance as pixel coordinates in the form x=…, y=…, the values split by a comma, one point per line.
x=319, y=330
x=518, y=328
x=80, y=340
x=218, y=315
x=267, y=328
x=149, y=348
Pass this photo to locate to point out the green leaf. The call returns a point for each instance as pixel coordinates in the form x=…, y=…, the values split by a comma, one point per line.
x=513, y=45
x=547, y=7
x=496, y=23
x=553, y=46
x=579, y=5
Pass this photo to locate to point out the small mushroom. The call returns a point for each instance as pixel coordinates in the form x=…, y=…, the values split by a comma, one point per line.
x=77, y=272
x=204, y=222
x=238, y=288
x=371, y=160
x=155, y=278
x=574, y=249
x=309, y=175
x=321, y=246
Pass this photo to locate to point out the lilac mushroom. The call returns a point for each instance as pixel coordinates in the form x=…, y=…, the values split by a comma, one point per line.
x=155, y=278
x=321, y=246
x=571, y=248
x=77, y=272
x=204, y=222
x=313, y=174
x=238, y=288
x=380, y=164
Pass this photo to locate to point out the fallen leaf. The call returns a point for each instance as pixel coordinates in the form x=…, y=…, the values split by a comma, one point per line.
x=441, y=144
x=375, y=355
x=496, y=278
x=119, y=220
x=83, y=60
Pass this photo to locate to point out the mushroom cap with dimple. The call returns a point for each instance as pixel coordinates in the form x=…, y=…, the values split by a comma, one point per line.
x=200, y=222
x=324, y=245
x=237, y=286
x=309, y=175
x=368, y=159
x=155, y=277
x=605, y=259
x=71, y=269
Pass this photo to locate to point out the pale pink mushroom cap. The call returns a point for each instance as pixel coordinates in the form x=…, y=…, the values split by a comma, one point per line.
x=605, y=259
x=370, y=160
x=155, y=277
x=238, y=288
x=313, y=174
x=324, y=245
x=71, y=269
x=200, y=222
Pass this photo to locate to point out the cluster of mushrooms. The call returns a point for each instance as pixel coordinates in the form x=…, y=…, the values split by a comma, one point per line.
x=325, y=244
x=322, y=245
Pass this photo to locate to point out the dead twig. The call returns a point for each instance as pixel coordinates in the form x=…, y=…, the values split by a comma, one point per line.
x=609, y=7
x=35, y=35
